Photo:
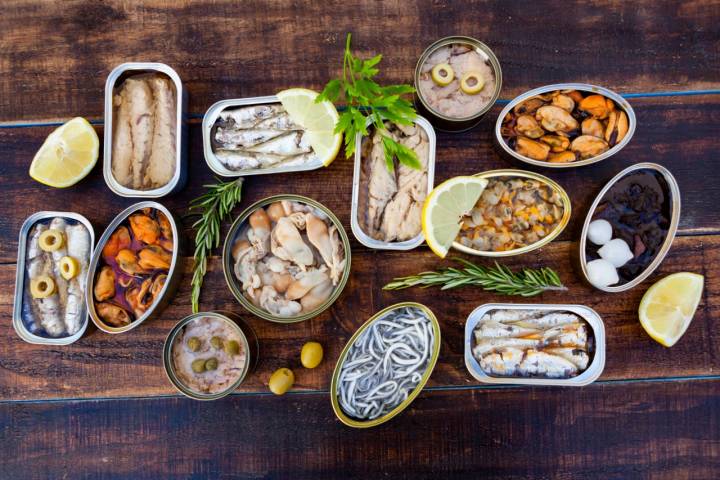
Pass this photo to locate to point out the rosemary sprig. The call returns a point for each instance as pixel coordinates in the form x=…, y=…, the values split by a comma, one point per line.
x=215, y=205
x=527, y=283
x=365, y=99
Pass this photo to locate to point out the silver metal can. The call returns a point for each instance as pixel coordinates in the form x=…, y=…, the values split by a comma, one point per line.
x=19, y=322
x=174, y=274
x=116, y=77
x=208, y=129
x=357, y=230
x=589, y=375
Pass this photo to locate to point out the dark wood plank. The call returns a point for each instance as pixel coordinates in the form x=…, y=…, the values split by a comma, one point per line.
x=101, y=365
x=59, y=60
x=652, y=430
x=678, y=132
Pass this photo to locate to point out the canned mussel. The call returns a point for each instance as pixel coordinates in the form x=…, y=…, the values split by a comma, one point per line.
x=457, y=79
x=134, y=270
x=207, y=355
x=286, y=258
x=54, y=251
x=535, y=344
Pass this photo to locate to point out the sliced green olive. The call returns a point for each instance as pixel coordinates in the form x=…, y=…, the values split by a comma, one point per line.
x=471, y=83
x=232, y=347
x=443, y=74
x=193, y=344
x=216, y=342
x=198, y=366
x=211, y=364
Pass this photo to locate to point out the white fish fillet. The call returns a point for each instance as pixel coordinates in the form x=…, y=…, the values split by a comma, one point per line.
x=381, y=186
x=122, y=143
x=138, y=94
x=161, y=164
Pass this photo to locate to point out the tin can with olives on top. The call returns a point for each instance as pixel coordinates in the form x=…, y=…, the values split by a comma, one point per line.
x=457, y=79
x=207, y=355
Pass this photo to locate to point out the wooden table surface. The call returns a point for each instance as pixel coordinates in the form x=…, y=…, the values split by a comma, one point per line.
x=103, y=408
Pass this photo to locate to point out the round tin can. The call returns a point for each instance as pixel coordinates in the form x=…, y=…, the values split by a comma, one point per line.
x=443, y=122
x=234, y=284
x=174, y=274
x=249, y=344
x=351, y=422
x=567, y=211
x=583, y=87
x=674, y=192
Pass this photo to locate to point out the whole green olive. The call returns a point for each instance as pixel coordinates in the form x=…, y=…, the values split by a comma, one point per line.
x=311, y=354
x=193, y=344
x=216, y=342
x=232, y=347
x=198, y=366
x=281, y=381
x=211, y=364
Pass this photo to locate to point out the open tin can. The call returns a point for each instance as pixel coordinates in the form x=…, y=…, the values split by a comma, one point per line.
x=589, y=375
x=208, y=133
x=357, y=230
x=442, y=121
x=240, y=226
x=674, y=194
x=20, y=308
x=567, y=211
x=248, y=344
x=114, y=80
x=171, y=283
x=434, y=354
x=582, y=87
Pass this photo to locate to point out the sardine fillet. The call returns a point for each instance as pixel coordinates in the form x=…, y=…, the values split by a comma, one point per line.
x=137, y=93
x=381, y=186
x=122, y=148
x=161, y=163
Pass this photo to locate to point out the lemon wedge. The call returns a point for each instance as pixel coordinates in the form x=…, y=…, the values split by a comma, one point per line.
x=318, y=119
x=68, y=154
x=667, y=308
x=444, y=209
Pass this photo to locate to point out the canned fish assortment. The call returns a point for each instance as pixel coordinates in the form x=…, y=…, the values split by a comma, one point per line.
x=287, y=258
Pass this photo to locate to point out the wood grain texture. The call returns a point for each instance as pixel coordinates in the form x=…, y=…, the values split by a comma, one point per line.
x=59, y=61
x=677, y=132
x=638, y=431
x=130, y=364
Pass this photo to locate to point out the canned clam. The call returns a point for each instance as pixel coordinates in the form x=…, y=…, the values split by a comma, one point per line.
x=145, y=115
x=54, y=250
x=457, y=79
x=534, y=344
x=207, y=355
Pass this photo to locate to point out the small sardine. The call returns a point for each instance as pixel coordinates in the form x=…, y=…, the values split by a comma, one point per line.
x=493, y=329
x=567, y=336
x=290, y=144
x=249, y=117
x=510, y=315
x=543, y=364
x=243, y=160
x=487, y=345
x=231, y=139
x=279, y=122
x=576, y=356
x=549, y=320
x=503, y=363
x=59, y=224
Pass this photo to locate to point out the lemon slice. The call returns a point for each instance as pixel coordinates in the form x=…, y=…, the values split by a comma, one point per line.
x=318, y=119
x=668, y=306
x=444, y=208
x=68, y=154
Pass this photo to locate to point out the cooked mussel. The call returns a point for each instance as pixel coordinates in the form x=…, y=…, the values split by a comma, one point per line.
x=144, y=228
x=555, y=119
x=527, y=125
x=154, y=257
x=558, y=143
x=617, y=127
x=105, y=284
x=532, y=149
x=119, y=240
x=597, y=106
x=588, y=146
x=112, y=314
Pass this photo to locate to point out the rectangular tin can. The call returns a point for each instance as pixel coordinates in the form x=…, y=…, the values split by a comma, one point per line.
x=211, y=116
x=18, y=323
x=120, y=73
x=591, y=373
x=174, y=274
x=357, y=230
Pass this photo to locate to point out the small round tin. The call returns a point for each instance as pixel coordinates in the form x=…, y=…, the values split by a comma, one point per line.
x=567, y=210
x=234, y=284
x=443, y=122
x=674, y=192
x=351, y=422
x=583, y=87
x=174, y=274
x=249, y=344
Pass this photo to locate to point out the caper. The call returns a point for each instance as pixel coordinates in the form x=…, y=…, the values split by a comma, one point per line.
x=198, y=366
x=211, y=364
x=471, y=83
x=193, y=344
x=232, y=347
x=443, y=74
x=216, y=342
